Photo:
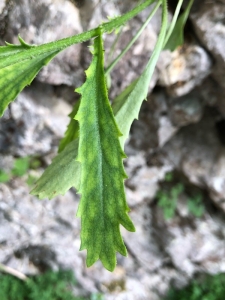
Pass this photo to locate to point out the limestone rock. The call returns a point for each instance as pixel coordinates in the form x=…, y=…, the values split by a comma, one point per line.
x=209, y=26
x=183, y=69
x=197, y=151
x=35, y=122
x=185, y=110
x=2, y=5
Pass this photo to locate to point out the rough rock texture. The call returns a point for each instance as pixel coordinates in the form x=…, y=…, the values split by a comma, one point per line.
x=183, y=69
x=35, y=122
x=181, y=128
x=2, y=5
x=197, y=151
x=208, y=22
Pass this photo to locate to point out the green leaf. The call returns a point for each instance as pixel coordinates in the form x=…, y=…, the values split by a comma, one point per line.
x=177, y=38
x=196, y=206
x=72, y=131
x=31, y=180
x=21, y=166
x=103, y=204
x=19, y=64
x=73, y=127
x=17, y=69
x=61, y=175
x=15, y=75
x=50, y=184
x=4, y=177
x=125, y=109
x=10, y=49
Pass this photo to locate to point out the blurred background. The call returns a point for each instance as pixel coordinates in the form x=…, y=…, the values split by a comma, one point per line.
x=175, y=164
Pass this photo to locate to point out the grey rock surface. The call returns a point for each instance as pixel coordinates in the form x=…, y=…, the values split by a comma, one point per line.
x=185, y=110
x=183, y=69
x=209, y=26
x=2, y=5
x=35, y=122
x=180, y=129
x=197, y=151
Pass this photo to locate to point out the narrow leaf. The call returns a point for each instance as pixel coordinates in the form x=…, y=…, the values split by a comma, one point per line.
x=103, y=205
x=72, y=131
x=61, y=175
x=177, y=37
x=127, y=109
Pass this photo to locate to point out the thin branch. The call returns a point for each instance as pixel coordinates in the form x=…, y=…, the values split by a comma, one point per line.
x=13, y=272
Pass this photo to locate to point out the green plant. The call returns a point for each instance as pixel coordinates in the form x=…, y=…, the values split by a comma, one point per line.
x=20, y=168
x=196, y=206
x=208, y=288
x=47, y=286
x=91, y=153
x=4, y=177
x=167, y=198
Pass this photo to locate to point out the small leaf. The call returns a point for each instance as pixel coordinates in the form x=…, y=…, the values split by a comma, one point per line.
x=31, y=180
x=61, y=175
x=4, y=177
x=21, y=166
x=103, y=205
x=72, y=131
x=196, y=205
x=177, y=37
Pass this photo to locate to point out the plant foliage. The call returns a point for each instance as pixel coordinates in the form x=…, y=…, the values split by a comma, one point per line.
x=103, y=204
x=21, y=167
x=91, y=153
x=207, y=288
x=177, y=38
x=167, y=200
x=168, y=197
x=47, y=286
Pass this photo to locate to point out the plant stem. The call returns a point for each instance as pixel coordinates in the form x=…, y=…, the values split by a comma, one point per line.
x=161, y=38
x=112, y=50
x=112, y=65
x=13, y=272
x=57, y=46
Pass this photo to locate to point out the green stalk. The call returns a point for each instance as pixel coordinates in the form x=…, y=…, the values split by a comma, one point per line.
x=114, y=44
x=161, y=38
x=79, y=38
x=112, y=65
